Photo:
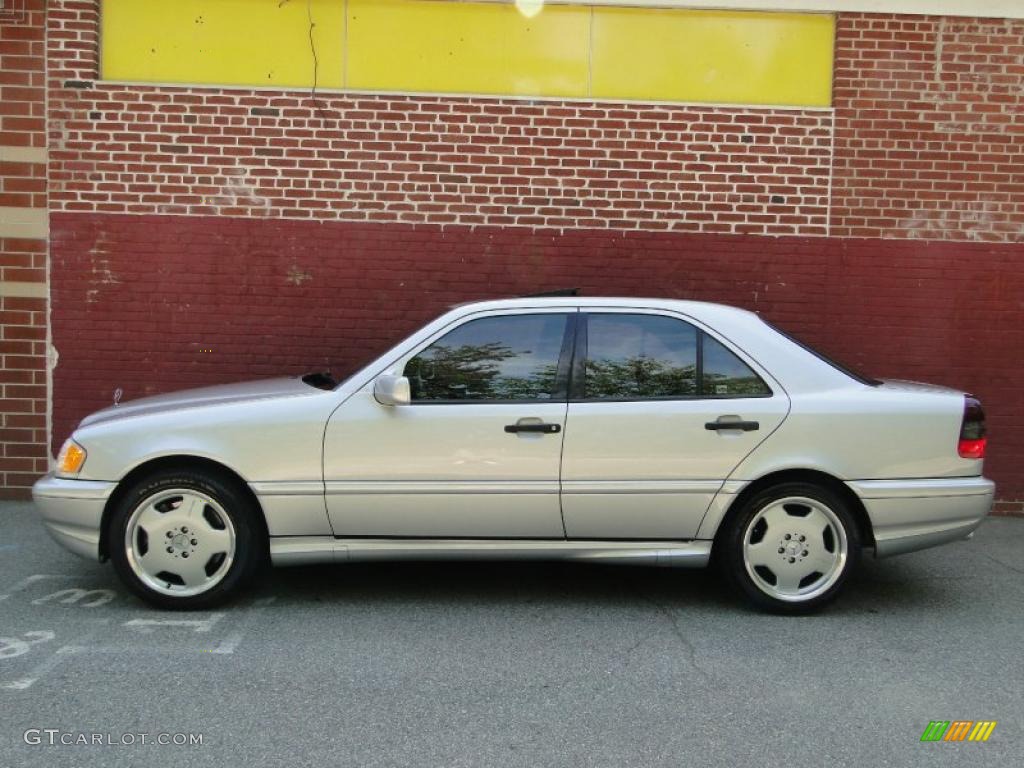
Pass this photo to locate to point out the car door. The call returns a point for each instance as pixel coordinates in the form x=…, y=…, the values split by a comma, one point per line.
x=476, y=452
x=661, y=411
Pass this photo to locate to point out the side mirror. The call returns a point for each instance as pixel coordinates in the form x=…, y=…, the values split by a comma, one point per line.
x=392, y=390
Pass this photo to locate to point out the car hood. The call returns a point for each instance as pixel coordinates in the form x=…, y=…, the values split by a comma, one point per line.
x=205, y=396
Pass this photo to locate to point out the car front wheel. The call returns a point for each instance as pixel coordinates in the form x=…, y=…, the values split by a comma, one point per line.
x=185, y=539
x=791, y=548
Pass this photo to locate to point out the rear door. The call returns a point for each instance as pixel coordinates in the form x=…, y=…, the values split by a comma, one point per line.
x=660, y=413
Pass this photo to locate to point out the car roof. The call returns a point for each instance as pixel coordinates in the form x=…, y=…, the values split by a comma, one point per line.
x=686, y=306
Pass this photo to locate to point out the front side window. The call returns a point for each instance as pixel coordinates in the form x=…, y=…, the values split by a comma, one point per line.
x=640, y=356
x=510, y=357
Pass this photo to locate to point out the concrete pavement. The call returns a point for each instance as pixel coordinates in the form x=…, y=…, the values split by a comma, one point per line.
x=512, y=665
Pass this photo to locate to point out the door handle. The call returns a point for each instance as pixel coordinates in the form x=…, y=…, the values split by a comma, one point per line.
x=544, y=429
x=733, y=423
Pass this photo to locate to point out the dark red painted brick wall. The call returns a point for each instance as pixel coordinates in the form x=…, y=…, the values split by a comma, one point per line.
x=137, y=299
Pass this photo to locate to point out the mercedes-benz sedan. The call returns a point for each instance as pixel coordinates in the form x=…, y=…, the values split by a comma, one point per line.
x=645, y=431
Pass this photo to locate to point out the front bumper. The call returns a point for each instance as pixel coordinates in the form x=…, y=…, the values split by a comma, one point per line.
x=908, y=515
x=72, y=511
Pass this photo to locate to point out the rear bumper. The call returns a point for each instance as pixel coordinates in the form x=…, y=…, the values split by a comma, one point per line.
x=908, y=515
x=72, y=512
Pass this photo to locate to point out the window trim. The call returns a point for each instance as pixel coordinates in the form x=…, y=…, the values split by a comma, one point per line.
x=577, y=381
x=562, y=377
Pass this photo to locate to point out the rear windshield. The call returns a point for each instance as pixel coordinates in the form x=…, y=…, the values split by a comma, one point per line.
x=851, y=372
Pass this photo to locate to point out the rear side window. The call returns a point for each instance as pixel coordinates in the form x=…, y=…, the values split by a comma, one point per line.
x=638, y=357
x=725, y=374
x=511, y=357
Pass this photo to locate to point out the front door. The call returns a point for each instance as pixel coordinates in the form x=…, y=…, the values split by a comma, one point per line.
x=660, y=414
x=476, y=453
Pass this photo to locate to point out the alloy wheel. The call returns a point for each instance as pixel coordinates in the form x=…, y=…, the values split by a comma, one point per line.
x=795, y=549
x=180, y=542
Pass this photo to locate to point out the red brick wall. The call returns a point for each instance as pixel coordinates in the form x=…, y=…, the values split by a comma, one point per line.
x=24, y=403
x=132, y=149
x=137, y=299
x=22, y=184
x=23, y=377
x=22, y=67
x=929, y=141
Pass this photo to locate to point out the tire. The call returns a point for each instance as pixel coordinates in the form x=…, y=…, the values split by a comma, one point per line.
x=765, y=558
x=186, y=539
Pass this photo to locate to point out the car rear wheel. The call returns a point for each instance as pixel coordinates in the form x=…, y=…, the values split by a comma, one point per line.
x=791, y=548
x=185, y=539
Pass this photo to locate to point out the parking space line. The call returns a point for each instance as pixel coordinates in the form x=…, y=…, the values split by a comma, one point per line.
x=108, y=650
x=146, y=626
x=232, y=641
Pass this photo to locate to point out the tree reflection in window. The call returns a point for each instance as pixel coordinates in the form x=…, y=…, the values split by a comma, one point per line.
x=726, y=374
x=640, y=377
x=639, y=356
x=514, y=357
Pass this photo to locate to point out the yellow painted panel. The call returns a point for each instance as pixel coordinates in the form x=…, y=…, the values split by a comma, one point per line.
x=412, y=45
x=465, y=47
x=230, y=42
x=732, y=57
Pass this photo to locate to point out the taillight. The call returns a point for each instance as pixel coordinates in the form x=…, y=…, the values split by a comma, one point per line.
x=972, y=430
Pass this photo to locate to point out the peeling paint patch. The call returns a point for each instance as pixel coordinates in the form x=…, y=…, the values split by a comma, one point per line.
x=238, y=191
x=101, y=273
x=975, y=220
x=298, y=276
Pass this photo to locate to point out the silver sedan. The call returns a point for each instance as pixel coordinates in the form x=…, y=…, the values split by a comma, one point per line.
x=645, y=431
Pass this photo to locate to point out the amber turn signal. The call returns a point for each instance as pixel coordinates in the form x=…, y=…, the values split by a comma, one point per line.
x=71, y=458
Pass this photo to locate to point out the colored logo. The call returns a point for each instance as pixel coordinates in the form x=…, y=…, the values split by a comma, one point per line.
x=958, y=730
